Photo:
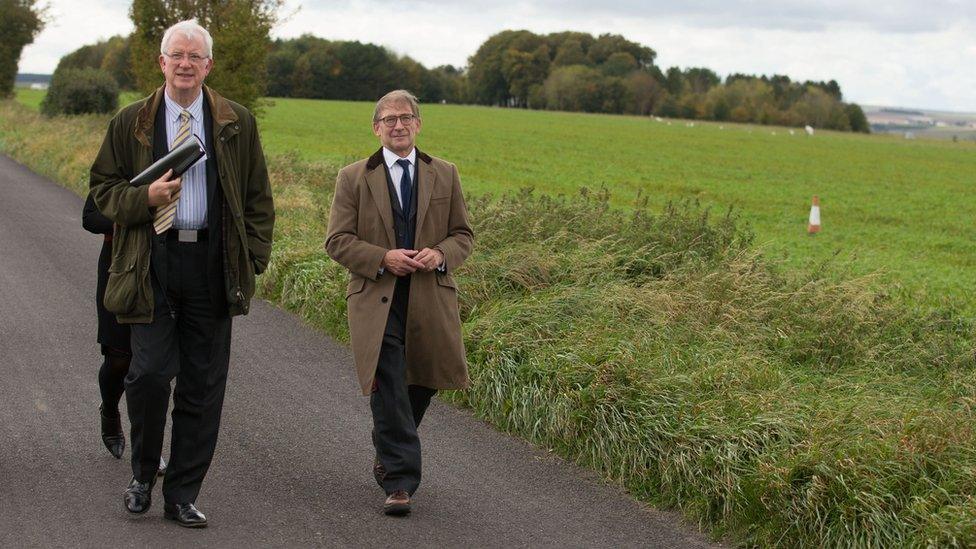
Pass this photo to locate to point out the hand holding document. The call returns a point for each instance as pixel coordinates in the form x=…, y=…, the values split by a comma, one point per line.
x=179, y=160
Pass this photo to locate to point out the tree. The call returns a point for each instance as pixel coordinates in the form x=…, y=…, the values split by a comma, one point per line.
x=644, y=93
x=281, y=66
x=117, y=61
x=821, y=109
x=313, y=67
x=445, y=83
x=486, y=67
x=674, y=81
x=241, y=43
x=110, y=55
x=619, y=63
x=20, y=22
x=523, y=71
x=569, y=53
x=582, y=88
x=81, y=91
x=365, y=71
x=700, y=79
x=609, y=44
x=859, y=122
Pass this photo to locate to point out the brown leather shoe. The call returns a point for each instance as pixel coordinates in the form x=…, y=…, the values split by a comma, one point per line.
x=379, y=472
x=397, y=503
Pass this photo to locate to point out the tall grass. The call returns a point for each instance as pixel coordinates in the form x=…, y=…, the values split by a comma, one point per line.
x=663, y=350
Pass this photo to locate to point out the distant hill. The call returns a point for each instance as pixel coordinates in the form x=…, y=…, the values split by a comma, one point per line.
x=26, y=79
x=921, y=123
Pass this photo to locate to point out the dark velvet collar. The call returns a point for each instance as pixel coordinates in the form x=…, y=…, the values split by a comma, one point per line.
x=377, y=159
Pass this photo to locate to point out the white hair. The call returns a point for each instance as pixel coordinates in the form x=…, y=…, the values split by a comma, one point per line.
x=189, y=29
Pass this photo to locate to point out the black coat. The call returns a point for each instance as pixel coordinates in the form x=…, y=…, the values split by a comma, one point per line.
x=111, y=334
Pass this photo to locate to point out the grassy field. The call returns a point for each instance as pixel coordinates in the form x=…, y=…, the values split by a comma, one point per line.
x=776, y=407
x=888, y=205
x=904, y=209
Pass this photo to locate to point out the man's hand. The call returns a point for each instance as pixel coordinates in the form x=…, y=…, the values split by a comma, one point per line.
x=430, y=258
x=401, y=262
x=162, y=190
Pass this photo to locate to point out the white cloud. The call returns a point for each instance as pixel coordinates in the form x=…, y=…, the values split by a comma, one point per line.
x=74, y=24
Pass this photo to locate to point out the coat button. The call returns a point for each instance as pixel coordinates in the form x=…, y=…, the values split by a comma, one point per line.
x=384, y=299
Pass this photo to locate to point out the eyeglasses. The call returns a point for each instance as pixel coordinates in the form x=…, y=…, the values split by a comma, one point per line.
x=180, y=56
x=390, y=121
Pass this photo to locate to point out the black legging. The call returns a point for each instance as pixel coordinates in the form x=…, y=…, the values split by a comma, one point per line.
x=111, y=379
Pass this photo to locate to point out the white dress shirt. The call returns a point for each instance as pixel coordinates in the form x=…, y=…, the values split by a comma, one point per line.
x=191, y=210
x=396, y=171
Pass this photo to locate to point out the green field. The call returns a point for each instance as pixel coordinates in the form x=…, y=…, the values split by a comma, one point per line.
x=904, y=209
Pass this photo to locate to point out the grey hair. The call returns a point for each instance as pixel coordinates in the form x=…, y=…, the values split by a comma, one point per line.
x=396, y=96
x=188, y=29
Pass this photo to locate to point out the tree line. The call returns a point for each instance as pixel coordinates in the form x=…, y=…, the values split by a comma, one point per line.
x=575, y=71
x=20, y=22
x=567, y=71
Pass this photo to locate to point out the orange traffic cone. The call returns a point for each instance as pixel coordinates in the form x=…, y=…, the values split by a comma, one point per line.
x=814, y=226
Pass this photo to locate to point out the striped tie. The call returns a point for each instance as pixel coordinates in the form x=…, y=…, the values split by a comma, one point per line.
x=166, y=214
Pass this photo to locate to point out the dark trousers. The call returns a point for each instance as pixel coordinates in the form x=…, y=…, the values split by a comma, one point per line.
x=189, y=340
x=397, y=408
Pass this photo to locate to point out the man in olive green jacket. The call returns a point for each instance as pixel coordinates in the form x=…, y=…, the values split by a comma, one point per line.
x=243, y=180
x=185, y=255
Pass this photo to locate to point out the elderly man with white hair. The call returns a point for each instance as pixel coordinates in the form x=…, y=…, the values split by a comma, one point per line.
x=185, y=254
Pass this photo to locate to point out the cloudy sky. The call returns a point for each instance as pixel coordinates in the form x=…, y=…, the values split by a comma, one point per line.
x=910, y=53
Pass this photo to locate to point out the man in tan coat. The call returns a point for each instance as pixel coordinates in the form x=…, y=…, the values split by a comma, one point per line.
x=400, y=226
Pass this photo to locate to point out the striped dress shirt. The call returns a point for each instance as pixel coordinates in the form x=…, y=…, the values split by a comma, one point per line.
x=191, y=210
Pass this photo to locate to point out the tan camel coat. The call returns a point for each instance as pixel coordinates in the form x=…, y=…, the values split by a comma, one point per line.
x=359, y=235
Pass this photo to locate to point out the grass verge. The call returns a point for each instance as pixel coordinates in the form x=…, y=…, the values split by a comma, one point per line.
x=773, y=407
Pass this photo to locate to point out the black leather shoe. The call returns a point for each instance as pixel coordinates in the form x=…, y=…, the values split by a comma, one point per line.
x=379, y=472
x=138, y=496
x=185, y=514
x=112, y=436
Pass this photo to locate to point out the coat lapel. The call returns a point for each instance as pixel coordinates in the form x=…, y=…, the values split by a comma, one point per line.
x=425, y=184
x=376, y=181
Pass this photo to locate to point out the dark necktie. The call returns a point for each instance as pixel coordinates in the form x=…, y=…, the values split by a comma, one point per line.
x=406, y=186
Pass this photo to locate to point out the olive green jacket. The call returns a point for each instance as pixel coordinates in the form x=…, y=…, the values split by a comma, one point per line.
x=248, y=212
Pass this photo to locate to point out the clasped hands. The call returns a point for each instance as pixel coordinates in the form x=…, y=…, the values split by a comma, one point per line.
x=163, y=190
x=402, y=262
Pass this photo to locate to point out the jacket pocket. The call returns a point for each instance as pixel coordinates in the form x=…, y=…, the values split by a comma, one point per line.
x=446, y=280
x=122, y=288
x=355, y=286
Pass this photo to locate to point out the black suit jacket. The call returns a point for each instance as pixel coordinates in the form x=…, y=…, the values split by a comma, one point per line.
x=215, y=273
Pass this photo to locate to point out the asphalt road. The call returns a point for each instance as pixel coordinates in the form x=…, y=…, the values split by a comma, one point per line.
x=292, y=466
